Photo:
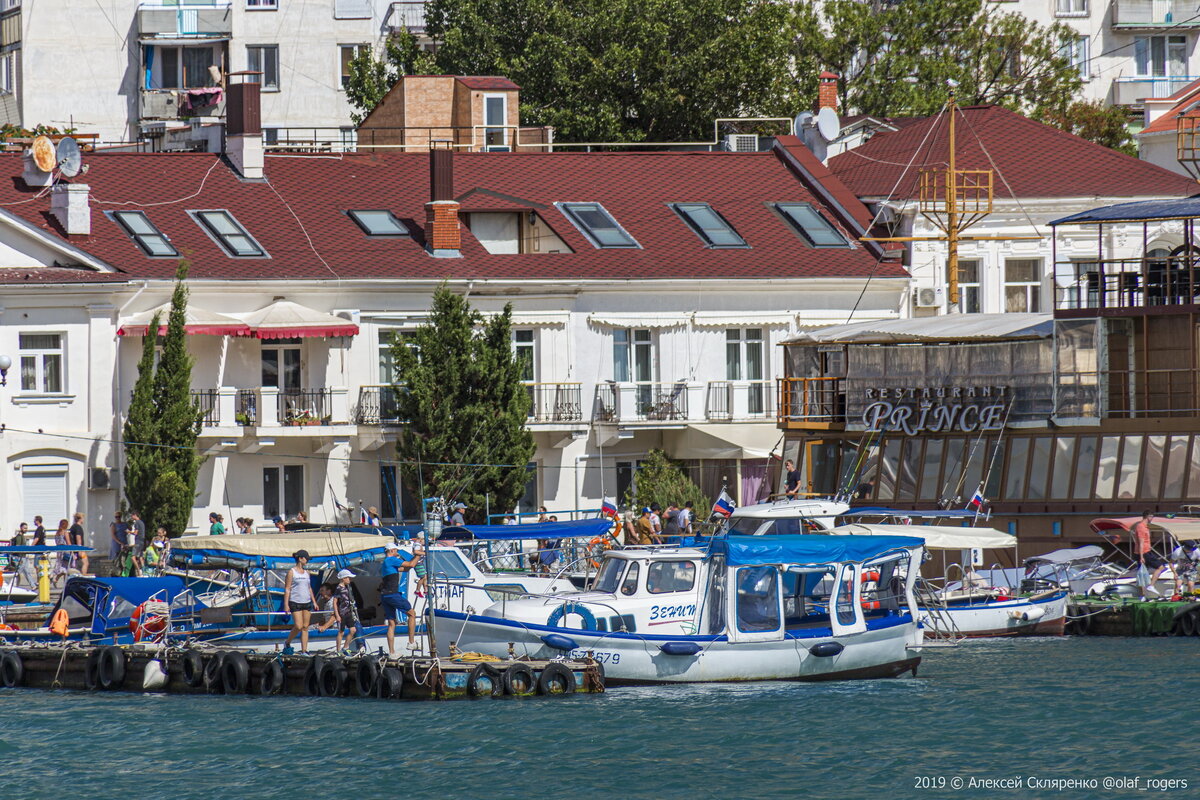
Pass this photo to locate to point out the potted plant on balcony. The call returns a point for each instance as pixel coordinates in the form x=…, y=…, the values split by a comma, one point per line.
x=304, y=418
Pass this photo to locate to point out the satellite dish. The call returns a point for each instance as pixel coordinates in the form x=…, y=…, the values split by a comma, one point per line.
x=43, y=153
x=828, y=124
x=68, y=157
x=802, y=121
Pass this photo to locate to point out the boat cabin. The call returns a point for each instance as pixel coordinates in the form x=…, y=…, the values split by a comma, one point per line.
x=786, y=516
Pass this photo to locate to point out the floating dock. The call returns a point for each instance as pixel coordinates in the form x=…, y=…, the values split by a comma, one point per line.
x=206, y=670
x=1101, y=617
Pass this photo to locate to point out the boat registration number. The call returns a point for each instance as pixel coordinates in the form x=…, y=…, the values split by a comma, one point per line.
x=603, y=658
x=672, y=612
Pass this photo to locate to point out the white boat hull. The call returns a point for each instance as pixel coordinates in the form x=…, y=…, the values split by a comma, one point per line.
x=633, y=658
x=1045, y=616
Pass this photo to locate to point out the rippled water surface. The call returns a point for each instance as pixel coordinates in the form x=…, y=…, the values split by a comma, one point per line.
x=1086, y=709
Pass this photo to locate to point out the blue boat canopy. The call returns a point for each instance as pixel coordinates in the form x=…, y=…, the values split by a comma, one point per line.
x=112, y=601
x=572, y=529
x=30, y=549
x=874, y=511
x=808, y=548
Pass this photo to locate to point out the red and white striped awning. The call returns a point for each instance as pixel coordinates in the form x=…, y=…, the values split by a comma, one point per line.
x=285, y=320
x=198, y=322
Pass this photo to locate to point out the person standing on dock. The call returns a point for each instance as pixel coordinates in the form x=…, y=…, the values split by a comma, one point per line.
x=791, y=479
x=393, y=594
x=298, y=601
x=1146, y=556
x=116, y=532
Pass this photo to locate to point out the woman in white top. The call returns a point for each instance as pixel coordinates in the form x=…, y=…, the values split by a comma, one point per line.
x=298, y=601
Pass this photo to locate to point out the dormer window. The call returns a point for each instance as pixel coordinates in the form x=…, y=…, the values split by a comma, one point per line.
x=595, y=223
x=378, y=222
x=148, y=238
x=810, y=225
x=229, y=234
x=710, y=226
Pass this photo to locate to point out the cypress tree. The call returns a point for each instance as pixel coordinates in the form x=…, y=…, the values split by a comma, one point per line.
x=161, y=463
x=663, y=481
x=460, y=392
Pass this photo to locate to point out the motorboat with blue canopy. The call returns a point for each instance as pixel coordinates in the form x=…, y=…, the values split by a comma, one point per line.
x=783, y=607
x=570, y=529
x=326, y=549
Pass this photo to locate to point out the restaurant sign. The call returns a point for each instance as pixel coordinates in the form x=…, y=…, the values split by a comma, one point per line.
x=936, y=409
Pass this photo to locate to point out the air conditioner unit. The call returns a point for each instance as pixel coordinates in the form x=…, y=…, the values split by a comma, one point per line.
x=930, y=297
x=741, y=143
x=100, y=478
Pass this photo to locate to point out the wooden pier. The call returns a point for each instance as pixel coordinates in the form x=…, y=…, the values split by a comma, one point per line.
x=1102, y=617
x=207, y=670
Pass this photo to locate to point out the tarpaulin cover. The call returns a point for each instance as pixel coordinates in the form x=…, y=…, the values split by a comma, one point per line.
x=935, y=537
x=571, y=529
x=1068, y=555
x=897, y=512
x=274, y=550
x=807, y=548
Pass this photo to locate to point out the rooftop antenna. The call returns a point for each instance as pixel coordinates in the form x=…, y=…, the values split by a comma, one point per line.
x=828, y=124
x=39, y=163
x=68, y=158
x=43, y=153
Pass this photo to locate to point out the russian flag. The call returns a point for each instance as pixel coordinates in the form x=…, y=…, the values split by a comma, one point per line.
x=608, y=507
x=724, y=505
x=363, y=517
x=976, y=501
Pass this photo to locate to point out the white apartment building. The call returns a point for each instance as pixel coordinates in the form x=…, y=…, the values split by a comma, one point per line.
x=649, y=290
x=130, y=69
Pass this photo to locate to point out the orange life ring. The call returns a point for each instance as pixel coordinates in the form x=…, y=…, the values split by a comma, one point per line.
x=596, y=547
x=866, y=577
x=145, y=621
x=60, y=623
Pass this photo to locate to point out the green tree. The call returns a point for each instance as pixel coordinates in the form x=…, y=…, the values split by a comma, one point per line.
x=371, y=77
x=161, y=462
x=1092, y=120
x=459, y=390
x=899, y=59
x=663, y=481
x=616, y=70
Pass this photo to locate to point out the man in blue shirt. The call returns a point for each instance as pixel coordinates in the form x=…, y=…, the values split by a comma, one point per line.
x=393, y=591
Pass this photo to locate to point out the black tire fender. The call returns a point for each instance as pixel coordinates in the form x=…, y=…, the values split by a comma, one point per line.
x=484, y=682
x=271, y=680
x=556, y=679
x=235, y=673
x=518, y=681
x=110, y=670
x=12, y=669
x=366, y=675
x=332, y=678
x=193, y=669
x=90, y=670
x=390, y=684
x=213, y=668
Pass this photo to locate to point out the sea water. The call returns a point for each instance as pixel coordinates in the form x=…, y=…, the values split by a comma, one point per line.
x=1020, y=718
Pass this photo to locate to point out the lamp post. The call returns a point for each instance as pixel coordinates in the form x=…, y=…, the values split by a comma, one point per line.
x=5, y=364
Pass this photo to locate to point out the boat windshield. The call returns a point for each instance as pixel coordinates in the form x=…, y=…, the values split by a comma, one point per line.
x=610, y=575
x=784, y=526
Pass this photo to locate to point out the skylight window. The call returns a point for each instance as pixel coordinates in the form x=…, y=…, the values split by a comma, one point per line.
x=376, y=222
x=150, y=239
x=229, y=233
x=809, y=223
x=710, y=226
x=597, y=225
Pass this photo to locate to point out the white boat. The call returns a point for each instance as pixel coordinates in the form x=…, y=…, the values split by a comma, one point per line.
x=804, y=607
x=786, y=516
x=974, y=609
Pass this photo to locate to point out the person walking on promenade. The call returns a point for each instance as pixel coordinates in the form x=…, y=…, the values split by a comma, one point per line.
x=39, y=532
x=116, y=533
x=298, y=601
x=75, y=537
x=135, y=534
x=215, y=527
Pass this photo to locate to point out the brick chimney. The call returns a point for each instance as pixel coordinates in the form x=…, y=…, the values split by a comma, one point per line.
x=827, y=91
x=69, y=206
x=243, y=124
x=443, y=237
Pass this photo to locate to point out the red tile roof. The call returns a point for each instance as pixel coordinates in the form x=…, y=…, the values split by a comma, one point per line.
x=486, y=83
x=1035, y=159
x=1188, y=97
x=307, y=197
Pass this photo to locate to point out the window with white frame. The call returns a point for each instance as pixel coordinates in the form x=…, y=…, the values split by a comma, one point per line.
x=8, y=73
x=349, y=52
x=1023, y=285
x=633, y=355
x=1160, y=56
x=744, y=362
x=495, y=113
x=262, y=5
x=41, y=357
x=969, y=299
x=283, y=491
x=264, y=58
x=1075, y=51
x=524, y=350
x=1070, y=8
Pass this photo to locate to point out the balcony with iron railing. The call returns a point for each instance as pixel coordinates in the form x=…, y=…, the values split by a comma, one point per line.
x=225, y=408
x=1129, y=283
x=377, y=405
x=650, y=401
x=555, y=402
x=408, y=16
x=185, y=20
x=739, y=400
x=811, y=402
x=378, y=138
x=1132, y=90
x=1155, y=14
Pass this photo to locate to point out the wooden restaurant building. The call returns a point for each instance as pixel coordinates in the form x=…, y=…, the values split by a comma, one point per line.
x=1052, y=419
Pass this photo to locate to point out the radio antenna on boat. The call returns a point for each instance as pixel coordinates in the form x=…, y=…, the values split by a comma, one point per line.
x=953, y=200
